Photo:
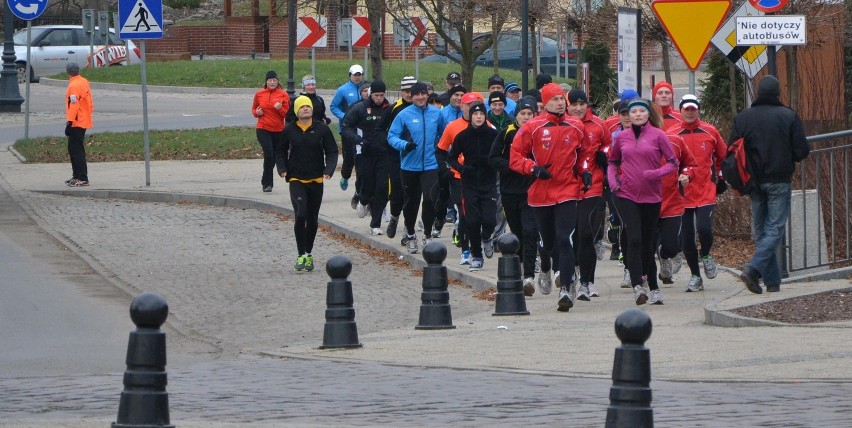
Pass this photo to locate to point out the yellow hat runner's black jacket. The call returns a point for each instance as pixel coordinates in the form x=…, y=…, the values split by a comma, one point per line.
x=306, y=154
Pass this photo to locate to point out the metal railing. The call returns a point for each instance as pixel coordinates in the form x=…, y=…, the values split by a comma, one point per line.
x=819, y=231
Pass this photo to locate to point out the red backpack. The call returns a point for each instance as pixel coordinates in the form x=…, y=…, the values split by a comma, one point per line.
x=737, y=170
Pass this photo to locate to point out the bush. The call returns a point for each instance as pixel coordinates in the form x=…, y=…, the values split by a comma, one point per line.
x=603, y=78
x=182, y=4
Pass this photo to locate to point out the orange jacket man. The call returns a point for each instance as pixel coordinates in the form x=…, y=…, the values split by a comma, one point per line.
x=78, y=115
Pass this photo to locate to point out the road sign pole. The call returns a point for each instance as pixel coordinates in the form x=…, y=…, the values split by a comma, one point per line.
x=417, y=63
x=366, y=62
x=692, y=81
x=350, y=44
x=772, y=66
x=27, y=77
x=314, y=62
x=403, y=51
x=145, y=141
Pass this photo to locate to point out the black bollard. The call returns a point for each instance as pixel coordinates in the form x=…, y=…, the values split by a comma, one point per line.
x=510, y=285
x=630, y=395
x=340, y=328
x=435, y=312
x=144, y=401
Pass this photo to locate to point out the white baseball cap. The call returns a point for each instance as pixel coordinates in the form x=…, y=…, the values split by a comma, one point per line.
x=356, y=69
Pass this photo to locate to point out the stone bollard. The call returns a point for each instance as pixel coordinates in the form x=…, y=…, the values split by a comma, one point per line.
x=144, y=401
x=435, y=312
x=340, y=328
x=630, y=395
x=510, y=285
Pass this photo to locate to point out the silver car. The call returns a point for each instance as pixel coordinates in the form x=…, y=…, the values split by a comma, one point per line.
x=54, y=45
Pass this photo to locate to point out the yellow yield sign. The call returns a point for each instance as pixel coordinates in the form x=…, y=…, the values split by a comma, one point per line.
x=691, y=24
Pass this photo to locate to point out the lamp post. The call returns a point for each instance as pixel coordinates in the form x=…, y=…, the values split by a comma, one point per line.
x=291, y=28
x=10, y=94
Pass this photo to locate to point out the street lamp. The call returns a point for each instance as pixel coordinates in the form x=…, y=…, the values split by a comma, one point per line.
x=291, y=28
x=10, y=94
x=525, y=46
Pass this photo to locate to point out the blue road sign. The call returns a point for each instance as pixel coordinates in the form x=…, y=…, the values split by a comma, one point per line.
x=140, y=19
x=27, y=9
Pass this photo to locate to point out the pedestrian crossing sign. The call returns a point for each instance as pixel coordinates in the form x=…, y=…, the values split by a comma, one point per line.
x=140, y=19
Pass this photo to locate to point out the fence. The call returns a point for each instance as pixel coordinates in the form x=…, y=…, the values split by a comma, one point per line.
x=818, y=232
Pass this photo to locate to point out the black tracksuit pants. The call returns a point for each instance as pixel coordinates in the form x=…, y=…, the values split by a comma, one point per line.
x=372, y=179
x=521, y=219
x=417, y=185
x=77, y=153
x=268, y=140
x=590, y=218
x=478, y=208
x=556, y=227
x=306, y=199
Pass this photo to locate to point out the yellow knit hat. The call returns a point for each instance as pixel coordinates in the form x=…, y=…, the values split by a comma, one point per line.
x=302, y=101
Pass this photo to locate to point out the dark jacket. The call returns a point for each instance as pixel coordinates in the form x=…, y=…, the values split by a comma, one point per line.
x=774, y=135
x=306, y=155
x=475, y=145
x=500, y=122
x=361, y=126
x=511, y=183
x=319, y=109
x=385, y=125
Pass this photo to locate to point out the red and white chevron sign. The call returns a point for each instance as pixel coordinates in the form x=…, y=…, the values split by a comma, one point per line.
x=421, y=33
x=360, y=31
x=312, y=32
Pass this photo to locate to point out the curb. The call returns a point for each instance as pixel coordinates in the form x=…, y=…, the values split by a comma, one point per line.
x=17, y=154
x=152, y=88
x=477, y=283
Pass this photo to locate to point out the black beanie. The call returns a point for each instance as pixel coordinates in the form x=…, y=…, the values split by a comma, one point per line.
x=527, y=103
x=496, y=96
x=477, y=107
x=271, y=75
x=458, y=88
x=769, y=87
x=378, y=86
x=542, y=79
x=534, y=94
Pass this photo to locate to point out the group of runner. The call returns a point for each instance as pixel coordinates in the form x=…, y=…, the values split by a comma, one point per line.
x=545, y=162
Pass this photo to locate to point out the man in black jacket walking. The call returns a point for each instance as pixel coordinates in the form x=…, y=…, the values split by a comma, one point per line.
x=361, y=126
x=775, y=141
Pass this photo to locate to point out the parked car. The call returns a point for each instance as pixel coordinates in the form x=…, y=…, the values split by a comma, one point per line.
x=53, y=46
x=509, y=54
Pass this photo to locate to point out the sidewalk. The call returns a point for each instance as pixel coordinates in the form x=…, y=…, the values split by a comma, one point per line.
x=579, y=343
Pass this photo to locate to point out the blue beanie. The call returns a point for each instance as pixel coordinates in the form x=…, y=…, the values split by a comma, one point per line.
x=627, y=95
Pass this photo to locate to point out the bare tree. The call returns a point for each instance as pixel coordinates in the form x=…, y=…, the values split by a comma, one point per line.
x=375, y=12
x=453, y=22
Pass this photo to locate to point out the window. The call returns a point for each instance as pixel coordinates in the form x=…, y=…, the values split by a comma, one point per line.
x=58, y=37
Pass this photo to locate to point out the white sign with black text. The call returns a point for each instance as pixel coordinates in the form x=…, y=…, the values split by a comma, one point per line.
x=772, y=30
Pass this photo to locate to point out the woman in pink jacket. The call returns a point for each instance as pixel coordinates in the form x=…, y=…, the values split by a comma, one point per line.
x=635, y=176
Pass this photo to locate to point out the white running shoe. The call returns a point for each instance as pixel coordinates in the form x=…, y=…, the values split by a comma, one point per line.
x=529, y=287
x=656, y=297
x=544, y=283
x=362, y=210
x=677, y=262
x=593, y=292
x=565, y=302
x=709, y=266
x=465, y=258
x=583, y=292
x=600, y=250
x=625, y=282
x=695, y=284
x=376, y=231
x=640, y=293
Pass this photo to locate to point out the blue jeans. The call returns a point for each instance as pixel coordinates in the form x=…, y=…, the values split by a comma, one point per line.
x=770, y=209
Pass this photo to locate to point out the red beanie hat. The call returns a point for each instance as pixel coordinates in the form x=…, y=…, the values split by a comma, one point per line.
x=549, y=91
x=662, y=84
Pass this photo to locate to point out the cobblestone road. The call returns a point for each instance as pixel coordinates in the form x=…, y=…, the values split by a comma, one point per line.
x=201, y=258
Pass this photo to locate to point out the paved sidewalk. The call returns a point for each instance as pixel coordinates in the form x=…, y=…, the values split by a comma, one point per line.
x=581, y=342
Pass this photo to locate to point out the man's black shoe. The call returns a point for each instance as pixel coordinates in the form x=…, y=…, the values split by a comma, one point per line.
x=749, y=277
x=773, y=288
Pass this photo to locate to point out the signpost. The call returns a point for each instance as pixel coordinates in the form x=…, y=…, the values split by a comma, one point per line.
x=361, y=38
x=691, y=24
x=768, y=6
x=771, y=30
x=749, y=59
x=418, y=24
x=313, y=33
x=142, y=19
x=629, y=49
x=27, y=12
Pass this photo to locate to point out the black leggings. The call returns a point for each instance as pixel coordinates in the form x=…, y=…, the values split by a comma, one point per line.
x=639, y=222
x=348, y=148
x=268, y=140
x=373, y=185
x=590, y=218
x=461, y=227
x=668, y=231
x=478, y=208
x=414, y=185
x=521, y=219
x=396, y=195
x=306, y=199
x=702, y=217
x=556, y=227
x=77, y=153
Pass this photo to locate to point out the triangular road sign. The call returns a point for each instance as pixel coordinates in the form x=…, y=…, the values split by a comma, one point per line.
x=691, y=24
x=141, y=20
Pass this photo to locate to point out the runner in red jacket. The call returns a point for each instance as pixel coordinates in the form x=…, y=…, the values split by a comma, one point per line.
x=671, y=211
x=663, y=97
x=548, y=148
x=709, y=149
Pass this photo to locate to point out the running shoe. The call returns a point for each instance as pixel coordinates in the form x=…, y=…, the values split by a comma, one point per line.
x=476, y=264
x=677, y=262
x=709, y=266
x=456, y=240
x=411, y=242
x=488, y=248
x=361, y=210
x=666, y=271
x=78, y=183
x=300, y=264
x=420, y=226
x=309, y=263
x=392, y=224
x=593, y=292
x=375, y=231
x=583, y=292
x=354, y=201
x=436, y=233
x=344, y=183
x=465, y=258
x=625, y=282
x=556, y=280
x=529, y=286
x=695, y=284
x=640, y=293
x=267, y=189
x=544, y=283
x=600, y=250
x=656, y=297
x=565, y=303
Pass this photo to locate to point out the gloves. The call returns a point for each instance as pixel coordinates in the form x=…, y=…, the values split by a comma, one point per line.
x=721, y=186
x=541, y=173
x=409, y=147
x=601, y=159
x=68, y=128
x=467, y=170
x=587, y=180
